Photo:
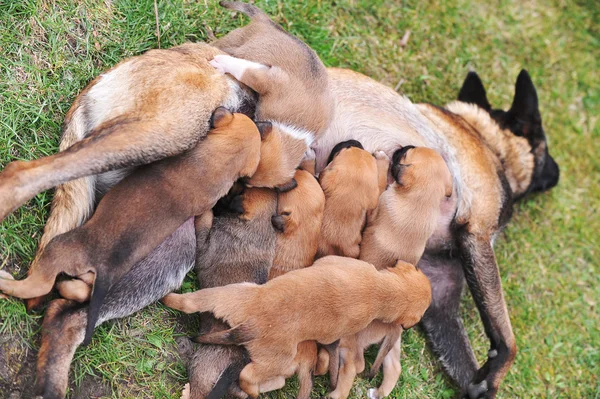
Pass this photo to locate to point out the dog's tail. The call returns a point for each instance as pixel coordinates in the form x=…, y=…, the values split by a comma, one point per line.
x=102, y=284
x=250, y=10
x=238, y=335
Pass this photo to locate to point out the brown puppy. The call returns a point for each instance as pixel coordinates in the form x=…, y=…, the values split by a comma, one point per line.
x=154, y=201
x=408, y=211
x=352, y=182
x=399, y=228
x=299, y=217
x=271, y=320
x=292, y=85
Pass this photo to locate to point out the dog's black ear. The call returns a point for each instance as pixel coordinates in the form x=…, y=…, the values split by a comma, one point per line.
x=525, y=104
x=289, y=186
x=472, y=91
x=278, y=222
x=265, y=128
x=237, y=204
x=221, y=117
x=343, y=145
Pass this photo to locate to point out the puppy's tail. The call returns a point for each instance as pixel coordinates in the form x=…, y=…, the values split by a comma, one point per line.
x=250, y=10
x=102, y=284
x=238, y=335
x=230, y=375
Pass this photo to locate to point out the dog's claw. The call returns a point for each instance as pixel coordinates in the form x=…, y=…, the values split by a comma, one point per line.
x=476, y=390
x=372, y=393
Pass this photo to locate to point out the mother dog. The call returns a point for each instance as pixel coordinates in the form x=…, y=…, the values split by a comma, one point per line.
x=495, y=157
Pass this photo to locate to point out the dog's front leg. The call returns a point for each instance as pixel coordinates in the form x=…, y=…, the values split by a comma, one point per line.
x=483, y=277
x=442, y=322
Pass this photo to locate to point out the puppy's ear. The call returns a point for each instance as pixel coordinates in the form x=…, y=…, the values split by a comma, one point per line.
x=289, y=186
x=278, y=222
x=265, y=128
x=221, y=117
x=473, y=92
x=237, y=205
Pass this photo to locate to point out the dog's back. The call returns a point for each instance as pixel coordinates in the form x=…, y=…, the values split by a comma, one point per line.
x=350, y=184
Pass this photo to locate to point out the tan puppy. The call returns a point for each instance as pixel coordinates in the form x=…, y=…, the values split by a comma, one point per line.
x=292, y=85
x=271, y=320
x=152, y=202
x=299, y=217
x=352, y=182
x=399, y=228
x=408, y=212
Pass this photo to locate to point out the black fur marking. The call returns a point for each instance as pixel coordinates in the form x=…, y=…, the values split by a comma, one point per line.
x=237, y=205
x=229, y=376
x=264, y=128
x=506, y=210
x=102, y=284
x=343, y=145
x=261, y=276
x=472, y=91
x=397, y=166
x=217, y=115
x=289, y=186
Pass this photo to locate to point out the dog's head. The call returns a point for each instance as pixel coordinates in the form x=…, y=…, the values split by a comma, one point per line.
x=421, y=166
x=522, y=119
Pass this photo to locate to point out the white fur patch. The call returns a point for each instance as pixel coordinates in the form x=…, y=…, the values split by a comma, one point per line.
x=295, y=132
x=234, y=66
x=233, y=101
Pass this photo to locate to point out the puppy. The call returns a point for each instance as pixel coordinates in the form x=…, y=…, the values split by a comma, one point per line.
x=352, y=183
x=270, y=320
x=239, y=248
x=399, y=228
x=292, y=85
x=153, y=202
x=408, y=211
x=298, y=219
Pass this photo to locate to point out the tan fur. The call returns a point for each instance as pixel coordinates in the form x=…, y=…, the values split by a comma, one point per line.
x=291, y=82
x=154, y=201
x=408, y=210
x=301, y=213
x=398, y=229
x=270, y=320
x=351, y=186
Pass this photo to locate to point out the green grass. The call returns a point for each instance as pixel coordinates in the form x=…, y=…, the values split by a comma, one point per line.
x=49, y=50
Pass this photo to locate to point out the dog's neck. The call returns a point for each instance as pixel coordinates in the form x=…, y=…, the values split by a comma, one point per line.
x=513, y=152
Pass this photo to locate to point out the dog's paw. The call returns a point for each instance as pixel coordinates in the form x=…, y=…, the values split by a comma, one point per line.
x=373, y=393
x=217, y=65
x=185, y=394
x=476, y=391
x=381, y=156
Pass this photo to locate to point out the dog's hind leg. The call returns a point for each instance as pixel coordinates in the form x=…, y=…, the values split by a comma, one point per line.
x=442, y=322
x=62, y=332
x=347, y=370
x=392, y=336
x=391, y=373
x=483, y=277
x=306, y=357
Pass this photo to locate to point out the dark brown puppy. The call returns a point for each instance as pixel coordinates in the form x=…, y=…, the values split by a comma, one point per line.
x=351, y=183
x=292, y=85
x=270, y=320
x=240, y=247
x=398, y=229
x=155, y=200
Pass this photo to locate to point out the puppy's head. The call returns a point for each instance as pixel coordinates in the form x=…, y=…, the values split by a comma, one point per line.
x=300, y=206
x=256, y=202
x=421, y=167
x=341, y=146
x=280, y=155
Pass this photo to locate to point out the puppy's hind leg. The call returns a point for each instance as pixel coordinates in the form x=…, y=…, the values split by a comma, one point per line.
x=392, y=336
x=257, y=76
x=391, y=373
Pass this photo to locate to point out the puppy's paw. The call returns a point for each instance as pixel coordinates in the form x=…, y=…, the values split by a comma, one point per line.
x=185, y=394
x=381, y=156
x=234, y=66
x=373, y=393
x=75, y=290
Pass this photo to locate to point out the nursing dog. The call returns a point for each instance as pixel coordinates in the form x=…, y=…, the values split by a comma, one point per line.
x=270, y=320
x=240, y=247
x=398, y=229
x=495, y=158
x=351, y=183
x=154, y=201
x=292, y=85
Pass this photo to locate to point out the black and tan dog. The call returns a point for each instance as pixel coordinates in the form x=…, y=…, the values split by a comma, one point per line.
x=495, y=157
x=154, y=201
x=292, y=85
x=352, y=183
x=270, y=320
